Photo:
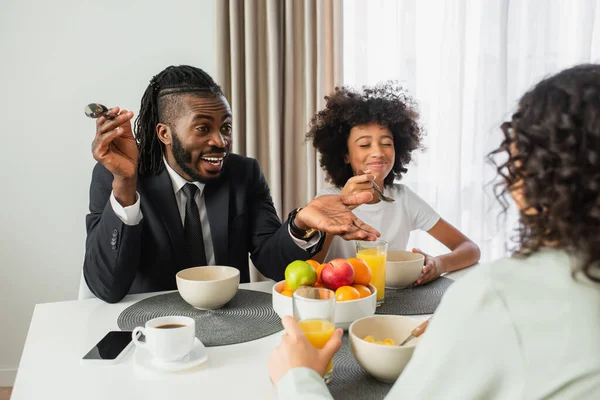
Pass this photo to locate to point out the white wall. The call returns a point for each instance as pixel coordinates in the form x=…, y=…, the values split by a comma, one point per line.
x=55, y=57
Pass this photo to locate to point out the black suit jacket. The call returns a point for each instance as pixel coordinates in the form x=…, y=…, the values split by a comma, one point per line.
x=122, y=259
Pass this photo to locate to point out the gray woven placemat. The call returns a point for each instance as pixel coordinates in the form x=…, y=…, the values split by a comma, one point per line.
x=248, y=316
x=414, y=300
x=350, y=381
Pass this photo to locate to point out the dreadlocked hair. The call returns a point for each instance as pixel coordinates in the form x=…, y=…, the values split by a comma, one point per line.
x=158, y=105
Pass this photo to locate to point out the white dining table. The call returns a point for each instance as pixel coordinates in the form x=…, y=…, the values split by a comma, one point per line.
x=61, y=333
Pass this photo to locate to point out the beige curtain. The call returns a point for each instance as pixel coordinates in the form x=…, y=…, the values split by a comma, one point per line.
x=277, y=59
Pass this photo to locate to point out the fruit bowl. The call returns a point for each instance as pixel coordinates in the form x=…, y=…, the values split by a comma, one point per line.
x=346, y=312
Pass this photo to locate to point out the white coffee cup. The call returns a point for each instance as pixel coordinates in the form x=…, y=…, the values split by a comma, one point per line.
x=167, y=338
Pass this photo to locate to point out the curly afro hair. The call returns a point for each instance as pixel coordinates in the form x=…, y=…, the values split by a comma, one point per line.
x=553, y=147
x=385, y=104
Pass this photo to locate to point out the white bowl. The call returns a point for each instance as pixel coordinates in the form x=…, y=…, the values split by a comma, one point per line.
x=208, y=288
x=402, y=268
x=345, y=311
x=384, y=363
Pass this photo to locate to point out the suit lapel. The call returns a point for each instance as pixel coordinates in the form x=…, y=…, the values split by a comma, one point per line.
x=161, y=193
x=216, y=198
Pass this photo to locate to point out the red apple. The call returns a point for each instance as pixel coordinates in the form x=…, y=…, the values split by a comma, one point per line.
x=337, y=273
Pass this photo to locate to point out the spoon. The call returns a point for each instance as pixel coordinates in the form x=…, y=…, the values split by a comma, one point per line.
x=97, y=110
x=418, y=331
x=378, y=189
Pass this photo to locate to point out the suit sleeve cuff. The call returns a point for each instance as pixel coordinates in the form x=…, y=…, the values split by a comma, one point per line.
x=303, y=244
x=131, y=215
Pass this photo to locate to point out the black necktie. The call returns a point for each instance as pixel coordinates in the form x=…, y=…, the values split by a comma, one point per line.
x=193, y=229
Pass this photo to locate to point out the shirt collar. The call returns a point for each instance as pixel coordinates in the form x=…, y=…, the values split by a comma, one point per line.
x=178, y=181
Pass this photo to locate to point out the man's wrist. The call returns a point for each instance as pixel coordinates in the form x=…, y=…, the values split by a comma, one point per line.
x=124, y=190
x=298, y=229
x=298, y=220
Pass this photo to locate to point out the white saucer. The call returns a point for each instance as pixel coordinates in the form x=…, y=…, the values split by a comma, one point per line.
x=196, y=357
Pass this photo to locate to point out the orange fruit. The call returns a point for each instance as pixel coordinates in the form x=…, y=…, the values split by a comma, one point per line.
x=345, y=293
x=286, y=287
x=319, y=269
x=362, y=290
x=287, y=293
x=362, y=272
x=313, y=263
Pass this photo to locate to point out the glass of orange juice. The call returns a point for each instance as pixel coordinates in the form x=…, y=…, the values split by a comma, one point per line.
x=314, y=309
x=374, y=254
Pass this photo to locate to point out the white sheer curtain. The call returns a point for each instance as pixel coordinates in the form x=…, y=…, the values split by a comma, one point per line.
x=466, y=62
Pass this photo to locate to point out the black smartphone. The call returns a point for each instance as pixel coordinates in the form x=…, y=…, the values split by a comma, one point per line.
x=110, y=349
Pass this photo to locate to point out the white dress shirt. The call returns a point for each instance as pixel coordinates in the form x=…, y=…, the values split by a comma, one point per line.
x=132, y=215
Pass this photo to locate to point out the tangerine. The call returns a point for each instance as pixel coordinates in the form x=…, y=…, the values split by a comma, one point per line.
x=286, y=287
x=362, y=272
x=362, y=290
x=319, y=269
x=345, y=293
x=313, y=263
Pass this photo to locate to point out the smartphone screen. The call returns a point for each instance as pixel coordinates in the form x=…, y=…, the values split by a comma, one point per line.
x=110, y=346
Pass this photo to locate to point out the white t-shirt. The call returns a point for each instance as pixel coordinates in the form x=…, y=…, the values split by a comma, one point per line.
x=395, y=221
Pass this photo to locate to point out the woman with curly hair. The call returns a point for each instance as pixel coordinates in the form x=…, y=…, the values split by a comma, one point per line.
x=365, y=137
x=527, y=326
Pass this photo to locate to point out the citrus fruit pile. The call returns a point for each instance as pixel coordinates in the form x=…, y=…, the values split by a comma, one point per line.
x=349, y=278
x=385, y=342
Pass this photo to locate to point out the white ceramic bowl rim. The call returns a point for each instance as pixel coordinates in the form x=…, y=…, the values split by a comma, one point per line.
x=222, y=271
x=371, y=287
x=385, y=316
x=407, y=256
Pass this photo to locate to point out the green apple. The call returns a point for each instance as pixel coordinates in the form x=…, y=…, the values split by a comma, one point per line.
x=300, y=273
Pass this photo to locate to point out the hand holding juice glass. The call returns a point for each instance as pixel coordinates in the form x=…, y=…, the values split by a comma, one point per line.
x=314, y=309
x=374, y=254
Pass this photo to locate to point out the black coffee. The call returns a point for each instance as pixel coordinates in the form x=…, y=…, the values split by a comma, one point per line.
x=170, y=326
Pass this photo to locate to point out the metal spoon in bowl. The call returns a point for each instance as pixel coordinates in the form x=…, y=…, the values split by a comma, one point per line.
x=97, y=110
x=418, y=331
x=378, y=189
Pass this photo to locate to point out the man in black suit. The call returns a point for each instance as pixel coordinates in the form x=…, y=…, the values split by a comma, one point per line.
x=177, y=197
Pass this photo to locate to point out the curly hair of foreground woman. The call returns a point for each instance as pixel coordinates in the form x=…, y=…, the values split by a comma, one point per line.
x=553, y=165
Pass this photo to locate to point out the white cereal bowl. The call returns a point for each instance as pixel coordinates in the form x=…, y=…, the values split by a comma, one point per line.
x=346, y=312
x=384, y=363
x=402, y=268
x=208, y=288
